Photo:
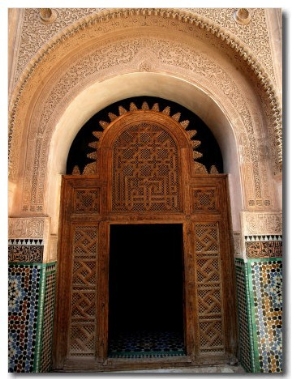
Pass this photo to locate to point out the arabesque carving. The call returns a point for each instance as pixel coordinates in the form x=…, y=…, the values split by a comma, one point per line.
x=25, y=253
x=212, y=73
x=262, y=249
x=35, y=34
x=267, y=223
x=30, y=228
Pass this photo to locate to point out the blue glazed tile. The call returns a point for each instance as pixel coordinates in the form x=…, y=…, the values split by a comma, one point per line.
x=24, y=281
x=267, y=293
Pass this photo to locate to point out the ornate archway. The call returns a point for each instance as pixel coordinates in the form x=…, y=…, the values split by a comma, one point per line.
x=93, y=57
x=69, y=70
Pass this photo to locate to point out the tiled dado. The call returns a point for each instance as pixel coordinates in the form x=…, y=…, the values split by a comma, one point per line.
x=259, y=286
x=31, y=289
x=266, y=302
x=246, y=348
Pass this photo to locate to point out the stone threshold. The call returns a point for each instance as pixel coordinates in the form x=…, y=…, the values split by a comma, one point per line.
x=218, y=369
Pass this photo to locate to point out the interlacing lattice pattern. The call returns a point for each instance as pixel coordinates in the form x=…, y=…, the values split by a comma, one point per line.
x=80, y=165
x=145, y=170
x=209, y=287
x=83, y=311
x=86, y=200
x=205, y=199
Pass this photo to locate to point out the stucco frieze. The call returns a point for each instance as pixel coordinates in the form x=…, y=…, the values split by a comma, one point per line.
x=261, y=223
x=36, y=33
x=28, y=227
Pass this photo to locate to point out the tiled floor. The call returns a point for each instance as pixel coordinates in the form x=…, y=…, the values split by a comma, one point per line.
x=155, y=344
x=150, y=344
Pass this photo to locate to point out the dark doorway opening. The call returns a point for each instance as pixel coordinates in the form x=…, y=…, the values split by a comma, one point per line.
x=146, y=291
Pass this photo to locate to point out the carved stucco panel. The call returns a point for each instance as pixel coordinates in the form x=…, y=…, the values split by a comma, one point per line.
x=28, y=228
x=274, y=127
x=266, y=223
x=255, y=34
x=201, y=69
x=36, y=33
x=243, y=147
x=110, y=57
x=209, y=70
x=23, y=230
x=249, y=189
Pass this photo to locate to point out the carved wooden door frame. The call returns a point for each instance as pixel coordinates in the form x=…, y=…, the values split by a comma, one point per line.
x=145, y=173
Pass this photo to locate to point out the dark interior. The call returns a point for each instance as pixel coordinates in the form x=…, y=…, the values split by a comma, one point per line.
x=146, y=289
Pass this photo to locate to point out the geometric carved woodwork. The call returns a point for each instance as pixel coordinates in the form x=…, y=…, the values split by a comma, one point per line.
x=86, y=200
x=85, y=161
x=205, y=199
x=207, y=252
x=145, y=166
x=83, y=305
x=145, y=170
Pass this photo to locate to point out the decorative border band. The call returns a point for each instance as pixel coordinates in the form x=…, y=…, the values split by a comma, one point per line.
x=30, y=228
x=261, y=223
